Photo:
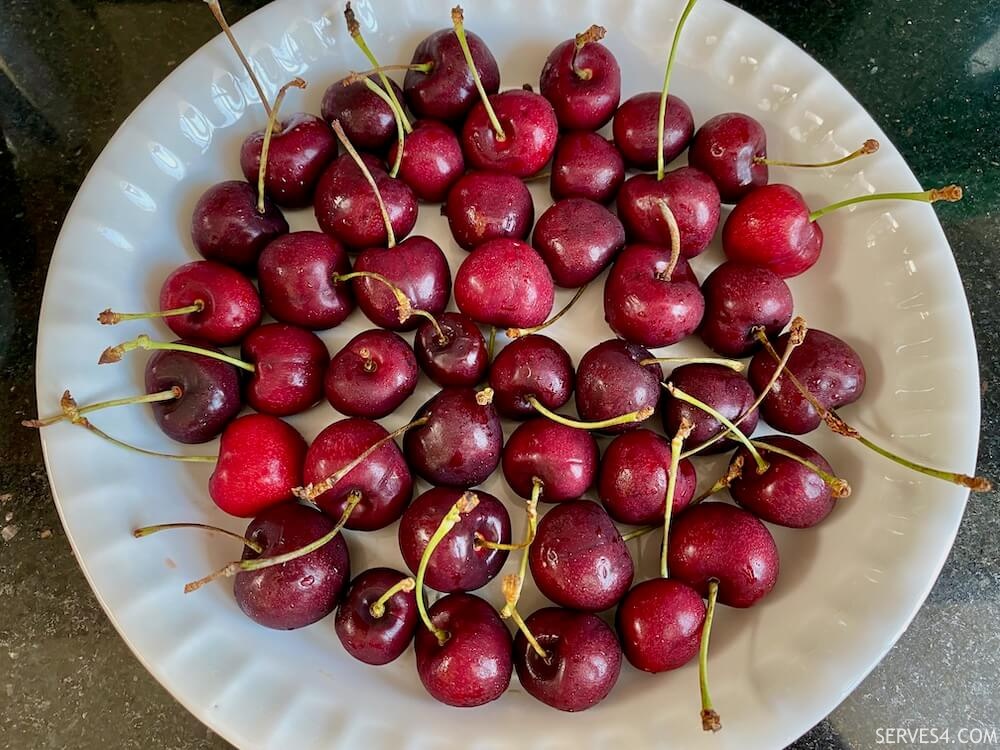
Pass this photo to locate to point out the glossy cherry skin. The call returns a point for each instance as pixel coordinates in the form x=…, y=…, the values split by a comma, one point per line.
x=367, y=120
x=459, y=445
x=726, y=148
x=346, y=206
x=691, y=196
x=383, y=478
x=578, y=558
x=788, y=493
x=447, y=91
x=740, y=298
x=530, y=130
x=226, y=226
x=417, y=267
x=231, y=306
x=300, y=149
x=290, y=364
x=586, y=165
x=770, y=228
x=634, y=129
x=585, y=95
x=485, y=206
x=725, y=390
x=577, y=238
x=584, y=658
x=659, y=622
x=720, y=541
x=260, y=461
x=826, y=365
x=376, y=640
x=611, y=382
x=210, y=393
x=533, y=365
x=505, y=283
x=295, y=273
x=643, y=307
x=459, y=562
x=462, y=358
x=563, y=458
x=634, y=472
x=302, y=591
x=475, y=664
x=372, y=375
x=432, y=160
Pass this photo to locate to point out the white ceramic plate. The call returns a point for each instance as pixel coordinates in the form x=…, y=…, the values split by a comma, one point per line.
x=886, y=282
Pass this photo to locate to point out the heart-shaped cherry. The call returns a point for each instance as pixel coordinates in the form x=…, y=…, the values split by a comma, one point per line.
x=659, y=622
x=534, y=365
x=564, y=459
x=485, y=206
x=373, y=374
x=529, y=129
x=432, y=160
x=610, y=381
x=719, y=386
x=577, y=238
x=458, y=358
x=582, y=81
x=505, y=283
x=378, y=616
x=227, y=227
x=739, y=299
x=586, y=165
x=289, y=366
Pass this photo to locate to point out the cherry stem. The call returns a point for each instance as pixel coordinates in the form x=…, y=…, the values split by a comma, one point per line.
x=398, y=116
x=360, y=75
x=732, y=364
x=142, y=341
x=676, y=443
x=531, y=509
x=147, y=398
x=675, y=242
x=259, y=563
x=537, y=177
x=514, y=333
x=736, y=433
x=732, y=474
x=868, y=147
x=639, y=415
x=109, y=317
x=484, y=543
x=458, y=21
x=641, y=531
x=836, y=423
x=377, y=609
x=594, y=34
x=311, y=491
x=662, y=114
x=523, y=627
x=354, y=28
x=492, y=343
x=948, y=193
x=839, y=486
x=342, y=137
x=464, y=504
x=216, y=9
x=147, y=530
x=710, y=720
x=272, y=120
x=404, y=307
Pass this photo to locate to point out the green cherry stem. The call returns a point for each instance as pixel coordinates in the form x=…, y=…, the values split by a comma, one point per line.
x=357, y=75
x=492, y=343
x=509, y=585
x=868, y=147
x=354, y=29
x=594, y=34
x=458, y=21
x=838, y=486
x=398, y=116
x=641, y=531
x=377, y=609
x=147, y=398
x=639, y=415
x=142, y=341
x=662, y=114
x=513, y=333
x=732, y=364
x=265, y=147
x=404, y=306
x=710, y=720
x=216, y=9
x=676, y=443
x=733, y=472
x=675, y=242
x=948, y=193
x=147, y=530
x=345, y=141
x=109, y=317
x=531, y=509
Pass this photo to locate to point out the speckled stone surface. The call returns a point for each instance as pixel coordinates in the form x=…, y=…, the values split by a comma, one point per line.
x=70, y=72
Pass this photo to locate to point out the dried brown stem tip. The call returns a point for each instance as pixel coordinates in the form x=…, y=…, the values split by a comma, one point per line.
x=948, y=193
x=870, y=146
x=353, y=27
x=111, y=354
x=485, y=396
x=710, y=721
x=594, y=34
x=457, y=16
x=109, y=317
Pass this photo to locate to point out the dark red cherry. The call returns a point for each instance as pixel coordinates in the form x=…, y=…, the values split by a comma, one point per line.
x=722, y=388
x=230, y=304
x=659, y=622
x=586, y=165
x=563, y=458
x=485, y=206
x=461, y=358
x=432, y=160
x=533, y=365
x=826, y=365
x=367, y=120
x=372, y=375
x=371, y=639
x=577, y=238
x=634, y=129
x=583, y=84
x=290, y=363
x=226, y=226
x=447, y=91
x=611, y=382
x=505, y=283
x=726, y=148
x=740, y=298
x=301, y=591
x=530, y=131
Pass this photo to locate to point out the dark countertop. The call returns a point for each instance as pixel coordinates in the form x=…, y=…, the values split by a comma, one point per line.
x=71, y=71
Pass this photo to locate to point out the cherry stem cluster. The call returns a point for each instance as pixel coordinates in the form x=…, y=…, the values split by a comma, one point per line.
x=265, y=146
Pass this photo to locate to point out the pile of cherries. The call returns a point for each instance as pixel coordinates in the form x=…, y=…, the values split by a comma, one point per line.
x=472, y=147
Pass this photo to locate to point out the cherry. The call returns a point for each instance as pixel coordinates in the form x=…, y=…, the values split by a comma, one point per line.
x=459, y=444
x=368, y=121
x=465, y=559
x=460, y=358
x=534, y=365
x=564, y=459
x=635, y=134
x=473, y=664
x=382, y=477
x=582, y=81
x=828, y=366
x=289, y=365
x=378, y=616
x=529, y=129
x=729, y=148
x=295, y=273
x=432, y=160
x=577, y=238
x=485, y=206
x=227, y=227
x=301, y=591
x=659, y=622
x=586, y=165
x=505, y=283
x=260, y=461
x=611, y=381
x=582, y=659
x=722, y=388
x=632, y=484
x=372, y=375
x=740, y=298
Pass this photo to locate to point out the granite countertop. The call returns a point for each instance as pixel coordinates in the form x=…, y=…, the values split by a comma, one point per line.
x=72, y=70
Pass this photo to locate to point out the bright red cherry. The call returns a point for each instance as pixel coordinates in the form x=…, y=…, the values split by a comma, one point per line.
x=635, y=129
x=505, y=283
x=432, y=160
x=226, y=226
x=533, y=365
x=577, y=239
x=460, y=358
x=529, y=133
x=586, y=165
x=230, y=306
x=372, y=630
x=610, y=381
x=563, y=458
x=446, y=90
x=582, y=81
x=485, y=206
x=729, y=149
x=290, y=363
x=372, y=375
x=659, y=622
x=739, y=299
